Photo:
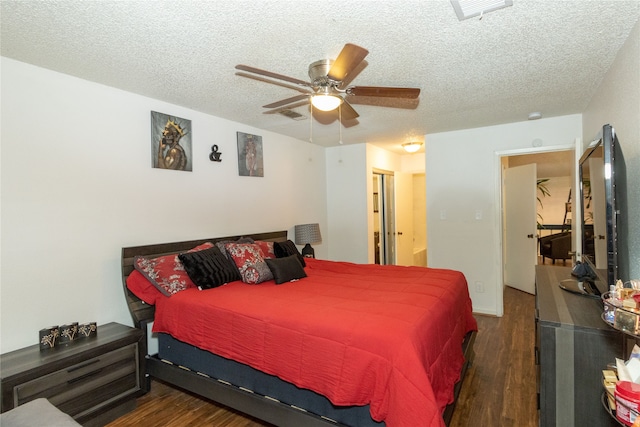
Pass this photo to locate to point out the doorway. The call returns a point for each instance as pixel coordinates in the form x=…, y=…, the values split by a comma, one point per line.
x=399, y=203
x=556, y=164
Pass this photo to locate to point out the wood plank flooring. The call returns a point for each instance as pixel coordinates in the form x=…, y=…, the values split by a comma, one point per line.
x=499, y=389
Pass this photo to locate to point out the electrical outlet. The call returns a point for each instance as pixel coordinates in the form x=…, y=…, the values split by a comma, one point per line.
x=479, y=287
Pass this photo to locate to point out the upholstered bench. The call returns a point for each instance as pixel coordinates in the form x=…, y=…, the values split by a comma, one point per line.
x=36, y=413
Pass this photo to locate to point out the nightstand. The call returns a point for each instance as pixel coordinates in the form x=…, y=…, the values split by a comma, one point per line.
x=95, y=380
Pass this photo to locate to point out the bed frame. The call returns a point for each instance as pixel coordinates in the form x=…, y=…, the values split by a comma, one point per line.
x=247, y=402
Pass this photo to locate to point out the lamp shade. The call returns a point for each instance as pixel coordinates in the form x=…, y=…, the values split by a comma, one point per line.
x=307, y=233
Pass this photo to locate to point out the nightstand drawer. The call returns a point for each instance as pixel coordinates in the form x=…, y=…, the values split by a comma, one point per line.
x=86, y=385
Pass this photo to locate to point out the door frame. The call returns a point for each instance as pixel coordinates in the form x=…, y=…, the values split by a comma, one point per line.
x=497, y=168
x=386, y=241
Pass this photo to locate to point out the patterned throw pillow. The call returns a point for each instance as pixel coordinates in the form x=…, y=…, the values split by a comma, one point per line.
x=167, y=272
x=209, y=268
x=221, y=244
x=267, y=248
x=249, y=259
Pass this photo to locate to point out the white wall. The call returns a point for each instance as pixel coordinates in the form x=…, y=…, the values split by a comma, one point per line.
x=77, y=185
x=419, y=212
x=617, y=102
x=462, y=174
x=349, y=204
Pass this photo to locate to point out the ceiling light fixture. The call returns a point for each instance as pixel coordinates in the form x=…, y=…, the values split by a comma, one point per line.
x=326, y=102
x=535, y=115
x=466, y=9
x=412, y=147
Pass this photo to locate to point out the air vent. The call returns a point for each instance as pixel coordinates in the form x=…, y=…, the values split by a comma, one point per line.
x=292, y=114
x=466, y=9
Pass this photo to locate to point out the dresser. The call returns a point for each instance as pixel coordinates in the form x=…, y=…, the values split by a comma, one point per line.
x=95, y=380
x=573, y=346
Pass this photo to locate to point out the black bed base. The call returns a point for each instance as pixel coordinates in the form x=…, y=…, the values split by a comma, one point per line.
x=255, y=405
x=261, y=407
x=271, y=387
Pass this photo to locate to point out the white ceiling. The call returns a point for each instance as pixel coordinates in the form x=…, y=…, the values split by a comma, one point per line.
x=537, y=55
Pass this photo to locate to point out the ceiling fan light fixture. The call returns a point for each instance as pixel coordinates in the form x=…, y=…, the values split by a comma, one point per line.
x=412, y=147
x=326, y=102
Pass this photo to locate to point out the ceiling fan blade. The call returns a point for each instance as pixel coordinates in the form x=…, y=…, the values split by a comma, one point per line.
x=387, y=92
x=347, y=112
x=348, y=59
x=286, y=101
x=272, y=75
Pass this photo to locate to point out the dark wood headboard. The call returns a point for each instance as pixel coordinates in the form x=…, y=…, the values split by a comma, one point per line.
x=141, y=312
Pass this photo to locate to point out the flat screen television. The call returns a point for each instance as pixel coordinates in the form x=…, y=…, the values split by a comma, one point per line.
x=602, y=177
x=603, y=203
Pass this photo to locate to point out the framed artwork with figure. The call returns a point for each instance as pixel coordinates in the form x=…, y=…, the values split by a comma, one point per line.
x=250, y=159
x=171, y=142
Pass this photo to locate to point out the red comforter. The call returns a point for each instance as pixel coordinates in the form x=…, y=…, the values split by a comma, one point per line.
x=386, y=336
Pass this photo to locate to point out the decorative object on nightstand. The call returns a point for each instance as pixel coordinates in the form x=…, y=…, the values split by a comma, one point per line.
x=60, y=335
x=87, y=330
x=307, y=234
x=68, y=333
x=48, y=337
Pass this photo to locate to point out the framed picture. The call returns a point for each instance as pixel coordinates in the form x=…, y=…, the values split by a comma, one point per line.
x=250, y=159
x=171, y=142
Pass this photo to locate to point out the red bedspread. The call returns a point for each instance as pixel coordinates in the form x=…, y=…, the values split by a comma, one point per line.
x=386, y=336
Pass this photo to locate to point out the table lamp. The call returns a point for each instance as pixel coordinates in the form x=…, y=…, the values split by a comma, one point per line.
x=306, y=234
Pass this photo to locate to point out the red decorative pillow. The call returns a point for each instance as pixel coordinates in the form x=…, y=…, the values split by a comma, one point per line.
x=167, y=273
x=267, y=248
x=249, y=259
x=143, y=288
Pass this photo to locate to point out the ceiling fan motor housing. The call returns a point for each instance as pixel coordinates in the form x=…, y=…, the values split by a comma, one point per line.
x=318, y=72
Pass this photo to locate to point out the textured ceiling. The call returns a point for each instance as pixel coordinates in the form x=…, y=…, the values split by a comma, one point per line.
x=538, y=55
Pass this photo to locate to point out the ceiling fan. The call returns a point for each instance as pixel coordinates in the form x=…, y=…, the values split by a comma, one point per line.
x=328, y=88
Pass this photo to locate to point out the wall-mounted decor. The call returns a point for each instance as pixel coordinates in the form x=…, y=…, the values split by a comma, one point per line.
x=250, y=160
x=215, y=154
x=170, y=142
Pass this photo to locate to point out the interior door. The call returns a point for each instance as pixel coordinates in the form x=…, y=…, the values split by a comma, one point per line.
x=404, y=218
x=520, y=242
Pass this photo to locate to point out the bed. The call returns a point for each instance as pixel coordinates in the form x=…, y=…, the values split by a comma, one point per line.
x=347, y=344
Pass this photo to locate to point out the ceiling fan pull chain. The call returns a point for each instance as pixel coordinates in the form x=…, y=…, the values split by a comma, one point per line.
x=311, y=123
x=340, y=122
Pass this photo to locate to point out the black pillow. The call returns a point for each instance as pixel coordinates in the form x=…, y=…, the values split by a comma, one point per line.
x=285, y=269
x=209, y=268
x=284, y=249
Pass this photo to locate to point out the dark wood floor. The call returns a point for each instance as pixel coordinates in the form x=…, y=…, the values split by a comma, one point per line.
x=499, y=389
